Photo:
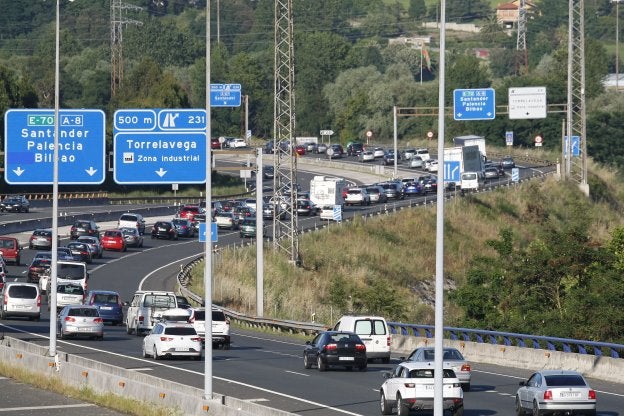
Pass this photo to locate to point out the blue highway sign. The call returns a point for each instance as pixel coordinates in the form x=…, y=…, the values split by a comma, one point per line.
x=474, y=104
x=214, y=232
x=225, y=95
x=451, y=171
x=29, y=147
x=575, y=146
x=135, y=120
x=174, y=151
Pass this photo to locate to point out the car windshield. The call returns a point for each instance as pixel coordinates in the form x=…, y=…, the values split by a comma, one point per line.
x=105, y=298
x=161, y=301
x=428, y=373
x=70, y=289
x=71, y=271
x=89, y=312
x=567, y=380
x=180, y=331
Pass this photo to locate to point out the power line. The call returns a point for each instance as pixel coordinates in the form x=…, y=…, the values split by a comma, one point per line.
x=117, y=20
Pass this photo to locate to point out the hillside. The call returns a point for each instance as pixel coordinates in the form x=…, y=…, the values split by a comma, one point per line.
x=386, y=264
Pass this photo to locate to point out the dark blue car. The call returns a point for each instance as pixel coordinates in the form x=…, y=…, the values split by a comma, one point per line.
x=108, y=304
x=413, y=188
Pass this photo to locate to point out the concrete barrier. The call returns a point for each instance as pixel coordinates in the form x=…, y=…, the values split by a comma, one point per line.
x=104, y=378
x=604, y=368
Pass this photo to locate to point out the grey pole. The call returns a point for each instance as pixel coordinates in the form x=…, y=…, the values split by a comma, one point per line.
x=53, y=270
x=396, y=153
x=208, y=244
x=259, y=238
x=438, y=409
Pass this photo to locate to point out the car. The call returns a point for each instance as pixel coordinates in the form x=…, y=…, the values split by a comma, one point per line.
x=335, y=348
x=423, y=153
x=498, y=166
x=268, y=172
x=108, y=304
x=62, y=253
x=429, y=183
x=227, y=220
x=388, y=158
x=321, y=148
x=113, y=240
x=69, y=294
x=335, y=151
x=41, y=239
x=80, y=251
x=248, y=228
x=214, y=143
x=164, y=229
x=132, y=236
x=411, y=385
x=188, y=212
x=490, y=173
x=236, y=143
x=300, y=150
x=183, y=302
x=84, y=227
x=376, y=194
x=80, y=321
x=508, y=162
x=366, y=156
x=147, y=307
x=310, y=147
x=393, y=190
x=374, y=332
x=15, y=203
x=306, y=207
x=357, y=196
x=413, y=188
x=452, y=357
x=244, y=212
x=355, y=148
x=37, y=267
x=431, y=165
x=408, y=153
x=416, y=162
x=172, y=339
x=132, y=220
x=11, y=249
x=94, y=244
x=185, y=227
x=3, y=269
x=21, y=300
x=555, y=392
x=220, y=326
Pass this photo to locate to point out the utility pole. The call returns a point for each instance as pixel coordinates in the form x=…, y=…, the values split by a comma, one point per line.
x=521, y=46
x=285, y=162
x=116, y=22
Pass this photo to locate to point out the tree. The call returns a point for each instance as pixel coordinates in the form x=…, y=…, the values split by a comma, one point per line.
x=417, y=9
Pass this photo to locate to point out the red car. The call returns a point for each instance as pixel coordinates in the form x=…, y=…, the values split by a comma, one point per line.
x=189, y=212
x=113, y=240
x=300, y=150
x=214, y=143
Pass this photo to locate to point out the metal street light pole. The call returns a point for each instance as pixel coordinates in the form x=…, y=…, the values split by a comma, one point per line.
x=617, y=45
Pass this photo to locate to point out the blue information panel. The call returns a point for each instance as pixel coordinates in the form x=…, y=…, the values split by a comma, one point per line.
x=575, y=146
x=214, y=232
x=451, y=171
x=172, y=150
x=225, y=95
x=29, y=147
x=474, y=104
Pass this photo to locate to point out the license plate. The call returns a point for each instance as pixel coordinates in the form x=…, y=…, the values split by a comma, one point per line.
x=429, y=386
x=84, y=329
x=21, y=306
x=106, y=308
x=346, y=358
x=67, y=298
x=570, y=394
x=183, y=349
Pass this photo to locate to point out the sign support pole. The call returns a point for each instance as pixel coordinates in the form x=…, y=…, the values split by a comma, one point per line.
x=259, y=237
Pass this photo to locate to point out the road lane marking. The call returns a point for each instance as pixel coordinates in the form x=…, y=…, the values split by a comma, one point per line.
x=296, y=373
x=64, y=406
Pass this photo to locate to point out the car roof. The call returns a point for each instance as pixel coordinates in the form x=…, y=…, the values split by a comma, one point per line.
x=415, y=365
x=559, y=373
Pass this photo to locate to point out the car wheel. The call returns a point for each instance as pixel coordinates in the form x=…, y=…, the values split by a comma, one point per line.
x=386, y=409
x=536, y=409
x=459, y=411
x=155, y=353
x=466, y=386
x=402, y=407
x=226, y=346
x=320, y=364
x=145, y=354
x=137, y=331
x=129, y=329
x=519, y=410
x=306, y=361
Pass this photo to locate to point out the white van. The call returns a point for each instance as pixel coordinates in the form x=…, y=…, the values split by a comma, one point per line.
x=423, y=154
x=470, y=182
x=21, y=299
x=146, y=308
x=68, y=271
x=374, y=332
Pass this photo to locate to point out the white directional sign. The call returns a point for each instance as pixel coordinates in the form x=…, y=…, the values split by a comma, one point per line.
x=327, y=132
x=527, y=103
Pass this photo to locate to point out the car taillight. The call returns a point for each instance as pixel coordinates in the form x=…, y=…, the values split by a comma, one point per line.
x=465, y=367
x=141, y=319
x=330, y=347
x=70, y=319
x=388, y=341
x=410, y=385
x=196, y=339
x=6, y=297
x=360, y=347
x=166, y=339
x=39, y=301
x=592, y=395
x=97, y=320
x=548, y=395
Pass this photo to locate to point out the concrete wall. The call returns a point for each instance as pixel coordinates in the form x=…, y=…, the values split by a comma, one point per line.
x=105, y=378
x=604, y=368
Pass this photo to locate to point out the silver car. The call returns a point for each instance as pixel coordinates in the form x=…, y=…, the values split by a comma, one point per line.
x=452, y=358
x=558, y=391
x=94, y=244
x=80, y=320
x=132, y=237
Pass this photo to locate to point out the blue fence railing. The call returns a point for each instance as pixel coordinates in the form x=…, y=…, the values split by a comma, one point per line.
x=512, y=339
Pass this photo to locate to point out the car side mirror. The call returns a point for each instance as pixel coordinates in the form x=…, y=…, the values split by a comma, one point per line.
x=126, y=304
x=522, y=383
x=403, y=358
x=308, y=343
x=386, y=374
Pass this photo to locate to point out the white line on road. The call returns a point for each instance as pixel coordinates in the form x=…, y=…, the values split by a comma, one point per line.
x=64, y=406
x=299, y=374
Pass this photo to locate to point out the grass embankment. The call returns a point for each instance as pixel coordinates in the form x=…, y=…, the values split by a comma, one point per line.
x=118, y=403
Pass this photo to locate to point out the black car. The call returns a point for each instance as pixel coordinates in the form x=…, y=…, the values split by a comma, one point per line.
x=508, y=162
x=354, y=149
x=335, y=348
x=335, y=151
x=15, y=204
x=164, y=229
x=80, y=251
x=84, y=227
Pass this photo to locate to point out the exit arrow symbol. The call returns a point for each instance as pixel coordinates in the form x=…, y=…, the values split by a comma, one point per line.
x=161, y=172
x=19, y=171
x=91, y=171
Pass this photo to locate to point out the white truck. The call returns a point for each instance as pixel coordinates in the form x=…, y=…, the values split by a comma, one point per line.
x=326, y=191
x=471, y=140
x=460, y=160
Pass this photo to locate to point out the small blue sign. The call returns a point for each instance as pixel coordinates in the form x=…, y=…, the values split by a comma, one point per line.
x=29, y=147
x=575, y=146
x=214, y=232
x=337, y=213
x=509, y=137
x=474, y=104
x=135, y=120
x=225, y=95
x=515, y=174
x=451, y=171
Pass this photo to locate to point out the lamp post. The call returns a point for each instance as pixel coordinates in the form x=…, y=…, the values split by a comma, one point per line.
x=617, y=43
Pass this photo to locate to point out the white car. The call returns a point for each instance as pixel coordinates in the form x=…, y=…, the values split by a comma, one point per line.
x=132, y=220
x=69, y=294
x=411, y=386
x=555, y=391
x=366, y=156
x=172, y=339
x=451, y=356
x=416, y=162
x=237, y=143
x=378, y=152
x=220, y=326
x=431, y=165
x=357, y=196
